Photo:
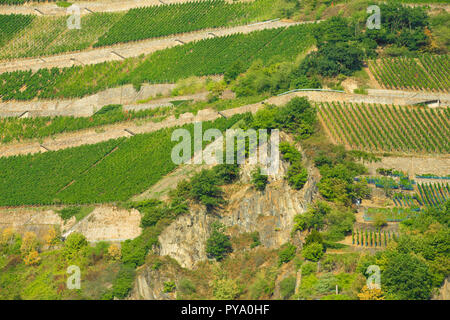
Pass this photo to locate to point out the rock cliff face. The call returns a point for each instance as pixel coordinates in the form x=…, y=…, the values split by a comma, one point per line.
x=444, y=291
x=185, y=239
x=149, y=284
x=270, y=213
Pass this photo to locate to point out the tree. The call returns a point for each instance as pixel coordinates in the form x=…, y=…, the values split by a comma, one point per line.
x=204, y=189
x=287, y=253
x=32, y=258
x=259, y=180
x=406, y=277
x=287, y=287
x=370, y=294
x=114, y=252
x=313, y=251
x=74, y=245
x=29, y=243
x=51, y=236
x=226, y=289
x=218, y=245
x=234, y=71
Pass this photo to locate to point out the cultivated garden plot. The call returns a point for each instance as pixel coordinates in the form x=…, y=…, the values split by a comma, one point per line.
x=200, y=58
x=429, y=72
x=25, y=38
x=386, y=128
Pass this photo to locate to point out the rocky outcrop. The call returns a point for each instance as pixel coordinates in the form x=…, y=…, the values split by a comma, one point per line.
x=149, y=284
x=270, y=213
x=185, y=239
x=444, y=291
x=103, y=223
x=109, y=224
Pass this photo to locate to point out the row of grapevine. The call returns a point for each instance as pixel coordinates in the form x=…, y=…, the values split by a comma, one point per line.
x=156, y=21
x=433, y=194
x=371, y=238
x=426, y=73
x=39, y=127
x=49, y=35
x=405, y=200
x=205, y=57
x=387, y=128
x=390, y=214
x=109, y=171
x=11, y=25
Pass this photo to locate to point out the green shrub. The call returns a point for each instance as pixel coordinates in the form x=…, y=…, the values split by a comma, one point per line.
x=204, y=189
x=226, y=173
x=124, y=282
x=309, y=268
x=186, y=287
x=169, y=286
x=313, y=251
x=287, y=287
x=256, y=241
x=218, y=245
x=259, y=180
x=74, y=245
x=297, y=176
x=287, y=253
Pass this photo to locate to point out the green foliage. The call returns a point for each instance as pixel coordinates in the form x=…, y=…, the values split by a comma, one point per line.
x=259, y=180
x=226, y=173
x=226, y=289
x=287, y=287
x=205, y=57
x=75, y=245
x=313, y=251
x=401, y=25
x=273, y=77
x=313, y=218
x=264, y=284
x=153, y=211
x=86, y=173
x=124, y=282
x=205, y=189
x=186, y=287
x=309, y=268
x=333, y=59
x=183, y=17
x=296, y=175
x=169, y=286
x=218, y=244
x=256, y=241
x=12, y=24
x=286, y=253
x=406, y=277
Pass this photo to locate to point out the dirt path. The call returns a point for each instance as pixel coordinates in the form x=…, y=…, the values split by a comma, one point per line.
x=134, y=49
x=104, y=133
x=86, y=7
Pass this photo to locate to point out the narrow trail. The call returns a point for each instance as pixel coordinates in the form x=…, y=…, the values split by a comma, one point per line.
x=123, y=129
x=133, y=49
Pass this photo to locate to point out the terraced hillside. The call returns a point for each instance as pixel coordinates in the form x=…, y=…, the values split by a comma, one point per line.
x=89, y=123
x=385, y=128
x=429, y=72
x=26, y=39
x=205, y=57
